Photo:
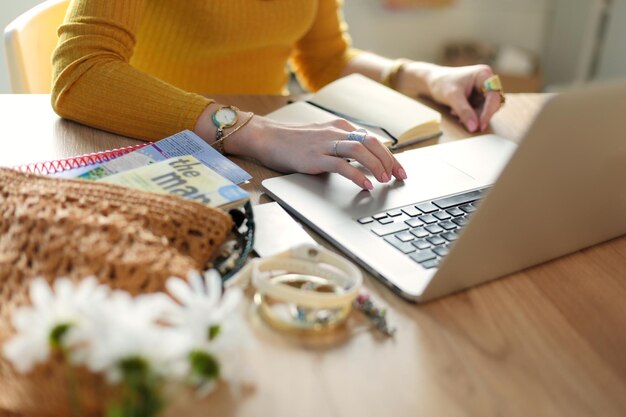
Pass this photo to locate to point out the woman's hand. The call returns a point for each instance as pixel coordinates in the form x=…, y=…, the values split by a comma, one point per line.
x=457, y=87
x=313, y=149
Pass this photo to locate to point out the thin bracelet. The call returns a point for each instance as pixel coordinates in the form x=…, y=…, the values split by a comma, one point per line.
x=219, y=144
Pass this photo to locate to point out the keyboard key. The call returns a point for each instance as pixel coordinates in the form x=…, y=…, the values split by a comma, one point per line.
x=426, y=207
x=461, y=221
x=434, y=229
x=442, y=215
x=436, y=240
x=455, y=211
x=421, y=244
x=455, y=200
x=425, y=231
x=419, y=232
x=389, y=228
x=404, y=236
x=447, y=224
x=428, y=219
x=404, y=247
x=414, y=222
x=441, y=250
x=423, y=256
x=411, y=211
x=468, y=208
x=450, y=236
x=433, y=263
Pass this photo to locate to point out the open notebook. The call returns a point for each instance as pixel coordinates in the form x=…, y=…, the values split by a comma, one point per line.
x=395, y=119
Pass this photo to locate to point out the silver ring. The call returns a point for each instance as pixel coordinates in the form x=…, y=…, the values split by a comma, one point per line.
x=335, y=143
x=357, y=136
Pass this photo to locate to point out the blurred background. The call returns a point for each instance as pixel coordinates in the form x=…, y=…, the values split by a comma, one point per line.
x=535, y=45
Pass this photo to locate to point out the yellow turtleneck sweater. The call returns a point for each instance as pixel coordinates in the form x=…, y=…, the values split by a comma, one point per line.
x=137, y=67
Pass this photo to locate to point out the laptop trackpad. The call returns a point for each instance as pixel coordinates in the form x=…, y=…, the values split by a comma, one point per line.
x=482, y=158
x=428, y=177
x=435, y=172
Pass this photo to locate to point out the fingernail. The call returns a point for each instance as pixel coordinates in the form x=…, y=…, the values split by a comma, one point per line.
x=367, y=184
x=402, y=174
x=384, y=177
x=472, y=126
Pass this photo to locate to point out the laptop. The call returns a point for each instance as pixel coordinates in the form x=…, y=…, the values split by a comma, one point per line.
x=480, y=208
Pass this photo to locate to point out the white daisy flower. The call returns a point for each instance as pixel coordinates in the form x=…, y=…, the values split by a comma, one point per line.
x=55, y=318
x=201, y=337
x=201, y=298
x=130, y=328
x=217, y=333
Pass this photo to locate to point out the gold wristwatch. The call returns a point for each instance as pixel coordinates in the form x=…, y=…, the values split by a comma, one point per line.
x=224, y=117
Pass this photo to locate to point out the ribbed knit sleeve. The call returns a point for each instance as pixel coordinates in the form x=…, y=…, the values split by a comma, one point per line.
x=93, y=82
x=321, y=55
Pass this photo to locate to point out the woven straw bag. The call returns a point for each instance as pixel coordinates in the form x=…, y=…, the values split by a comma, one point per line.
x=128, y=239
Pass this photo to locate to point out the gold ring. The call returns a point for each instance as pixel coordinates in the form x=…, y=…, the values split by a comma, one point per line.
x=494, y=83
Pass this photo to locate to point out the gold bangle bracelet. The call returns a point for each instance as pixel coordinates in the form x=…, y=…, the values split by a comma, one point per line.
x=390, y=75
x=219, y=144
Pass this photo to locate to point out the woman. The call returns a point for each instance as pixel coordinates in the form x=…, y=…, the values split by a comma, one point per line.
x=135, y=67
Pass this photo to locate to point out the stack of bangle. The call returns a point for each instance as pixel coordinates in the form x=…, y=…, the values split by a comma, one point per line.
x=219, y=144
x=391, y=74
x=307, y=288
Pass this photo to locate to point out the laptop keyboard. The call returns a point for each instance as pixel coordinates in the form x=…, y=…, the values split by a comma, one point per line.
x=425, y=231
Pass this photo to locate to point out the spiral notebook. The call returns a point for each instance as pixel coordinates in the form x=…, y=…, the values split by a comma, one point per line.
x=65, y=164
x=101, y=164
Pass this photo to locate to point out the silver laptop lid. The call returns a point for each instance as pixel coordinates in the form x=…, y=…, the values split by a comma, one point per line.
x=563, y=190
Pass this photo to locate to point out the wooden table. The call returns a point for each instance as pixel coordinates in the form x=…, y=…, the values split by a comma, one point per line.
x=548, y=341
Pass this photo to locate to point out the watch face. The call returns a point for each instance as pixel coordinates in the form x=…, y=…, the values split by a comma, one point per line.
x=225, y=116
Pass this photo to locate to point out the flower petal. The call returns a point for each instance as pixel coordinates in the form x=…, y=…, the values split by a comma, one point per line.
x=196, y=282
x=64, y=289
x=213, y=282
x=40, y=293
x=179, y=290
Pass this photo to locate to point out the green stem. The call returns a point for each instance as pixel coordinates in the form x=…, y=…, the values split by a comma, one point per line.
x=55, y=339
x=75, y=404
x=141, y=393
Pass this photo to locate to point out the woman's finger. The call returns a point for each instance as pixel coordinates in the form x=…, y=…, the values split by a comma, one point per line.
x=357, y=151
x=460, y=105
x=342, y=167
x=389, y=161
x=492, y=104
x=492, y=98
x=380, y=151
